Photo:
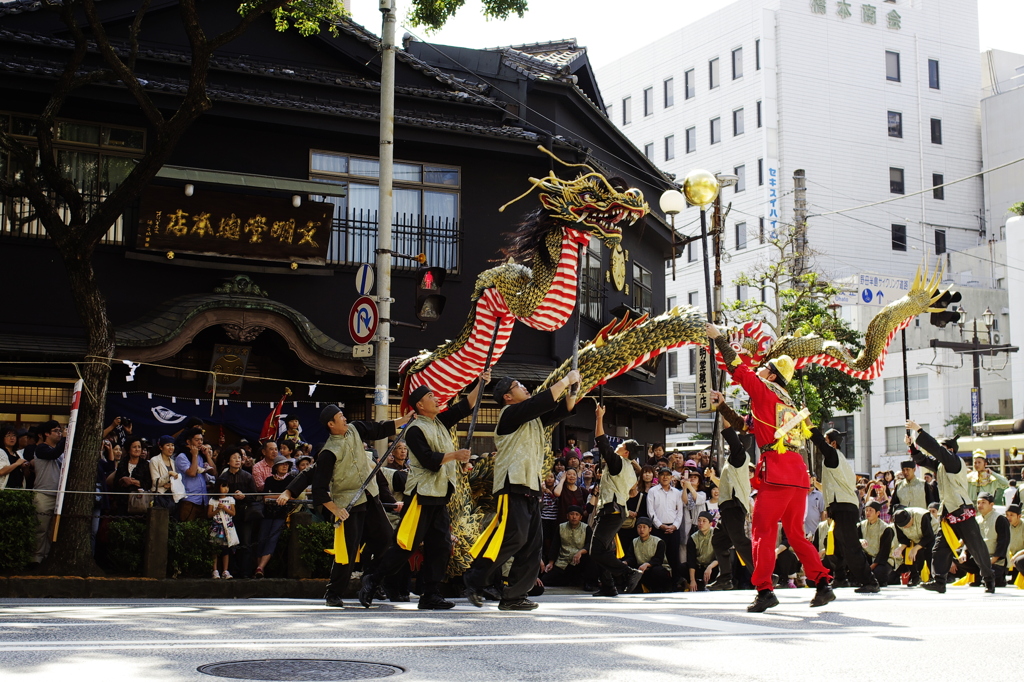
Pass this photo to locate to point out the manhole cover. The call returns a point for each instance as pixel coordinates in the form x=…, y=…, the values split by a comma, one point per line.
x=299, y=670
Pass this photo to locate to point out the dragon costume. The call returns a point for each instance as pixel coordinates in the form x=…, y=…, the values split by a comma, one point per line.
x=538, y=284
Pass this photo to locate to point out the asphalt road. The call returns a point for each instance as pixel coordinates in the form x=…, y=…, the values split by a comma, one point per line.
x=902, y=633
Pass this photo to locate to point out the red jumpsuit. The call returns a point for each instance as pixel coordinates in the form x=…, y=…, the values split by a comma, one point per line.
x=782, y=483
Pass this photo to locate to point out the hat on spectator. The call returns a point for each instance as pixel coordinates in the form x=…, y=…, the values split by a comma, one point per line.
x=664, y=470
x=418, y=394
x=987, y=496
x=281, y=459
x=589, y=454
x=302, y=457
x=706, y=515
x=644, y=521
x=908, y=464
x=574, y=508
x=1015, y=508
x=874, y=504
x=327, y=414
x=690, y=463
x=164, y=440
x=902, y=518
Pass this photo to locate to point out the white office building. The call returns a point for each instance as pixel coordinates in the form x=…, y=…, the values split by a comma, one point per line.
x=873, y=101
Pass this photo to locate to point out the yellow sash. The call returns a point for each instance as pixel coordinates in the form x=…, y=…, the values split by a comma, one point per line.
x=1019, y=581
x=494, y=535
x=619, y=553
x=926, y=575
x=340, y=550
x=951, y=539
x=969, y=578
x=742, y=562
x=907, y=561
x=830, y=539
x=410, y=522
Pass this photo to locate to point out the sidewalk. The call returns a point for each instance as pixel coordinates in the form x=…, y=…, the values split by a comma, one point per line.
x=50, y=587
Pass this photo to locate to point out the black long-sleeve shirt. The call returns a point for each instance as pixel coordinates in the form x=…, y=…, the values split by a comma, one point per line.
x=1002, y=536
x=884, y=545
x=429, y=458
x=243, y=482
x=929, y=454
x=368, y=431
x=927, y=534
x=557, y=548
x=541, y=406
x=657, y=560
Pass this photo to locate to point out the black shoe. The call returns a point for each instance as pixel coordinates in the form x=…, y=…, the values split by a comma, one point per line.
x=868, y=588
x=976, y=583
x=764, y=600
x=434, y=602
x=841, y=583
x=935, y=586
x=990, y=585
x=589, y=588
x=367, y=590
x=914, y=581
x=633, y=580
x=521, y=604
x=721, y=584
x=607, y=592
x=491, y=593
x=475, y=598
x=395, y=595
x=332, y=599
x=823, y=594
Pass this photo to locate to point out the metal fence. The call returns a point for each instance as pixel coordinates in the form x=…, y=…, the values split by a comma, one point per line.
x=18, y=218
x=354, y=240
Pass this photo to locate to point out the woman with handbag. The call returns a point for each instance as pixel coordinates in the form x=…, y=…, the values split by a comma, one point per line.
x=131, y=476
x=164, y=476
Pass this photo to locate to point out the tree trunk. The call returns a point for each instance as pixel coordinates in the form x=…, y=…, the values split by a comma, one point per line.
x=71, y=553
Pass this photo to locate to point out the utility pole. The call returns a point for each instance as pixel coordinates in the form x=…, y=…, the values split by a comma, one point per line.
x=800, y=221
x=385, y=210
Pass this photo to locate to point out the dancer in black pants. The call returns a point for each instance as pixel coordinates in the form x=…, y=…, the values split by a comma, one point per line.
x=733, y=499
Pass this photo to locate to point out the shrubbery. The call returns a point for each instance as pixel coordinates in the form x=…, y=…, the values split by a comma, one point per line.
x=17, y=529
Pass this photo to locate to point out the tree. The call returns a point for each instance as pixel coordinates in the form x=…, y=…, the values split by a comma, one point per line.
x=799, y=305
x=433, y=14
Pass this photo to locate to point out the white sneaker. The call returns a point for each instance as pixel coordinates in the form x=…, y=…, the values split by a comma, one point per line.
x=226, y=575
x=216, y=574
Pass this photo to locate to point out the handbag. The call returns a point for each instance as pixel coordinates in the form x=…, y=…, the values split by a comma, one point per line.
x=138, y=503
x=177, y=489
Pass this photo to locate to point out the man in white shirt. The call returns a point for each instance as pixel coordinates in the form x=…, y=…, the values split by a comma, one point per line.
x=815, y=512
x=665, y=508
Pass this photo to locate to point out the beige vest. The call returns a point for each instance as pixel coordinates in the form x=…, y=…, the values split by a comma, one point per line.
x=389, y=474
x=423, y=481
x=872, y=535
x=616, y=488
x=1016, y=539
x=572, y=539
x=823, y=534
x=734, y=483
x=839, y=485
x=911, y=493
x=643, y=551
x=952, y=489
x=351, y=467
x=987, y=524
x=520, y=455
x=913, y=532
x=705, y=550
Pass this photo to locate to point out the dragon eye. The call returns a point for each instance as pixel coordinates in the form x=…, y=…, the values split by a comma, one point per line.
x=587, y=196
x=635, y=192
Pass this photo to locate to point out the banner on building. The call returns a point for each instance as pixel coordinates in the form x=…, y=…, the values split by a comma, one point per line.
x=703, y=380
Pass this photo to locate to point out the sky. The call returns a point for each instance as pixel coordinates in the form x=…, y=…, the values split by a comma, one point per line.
x=610, y=30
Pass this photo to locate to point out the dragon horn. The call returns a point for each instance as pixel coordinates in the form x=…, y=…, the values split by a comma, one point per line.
x=569, y=165
x=534, y=184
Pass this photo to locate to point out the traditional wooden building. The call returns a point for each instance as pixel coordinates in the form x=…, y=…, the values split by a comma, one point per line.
x=241, y=255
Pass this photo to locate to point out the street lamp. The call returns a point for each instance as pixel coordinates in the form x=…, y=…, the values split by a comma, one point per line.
x=963, y=319
x=672, y=202
x=989, y=317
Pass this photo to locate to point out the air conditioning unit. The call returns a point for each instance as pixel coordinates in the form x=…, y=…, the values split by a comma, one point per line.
x=996, y=337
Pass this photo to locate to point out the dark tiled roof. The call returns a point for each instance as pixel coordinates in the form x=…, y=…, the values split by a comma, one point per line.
x=18, y=345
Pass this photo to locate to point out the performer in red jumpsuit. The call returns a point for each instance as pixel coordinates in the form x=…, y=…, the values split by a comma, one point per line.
x=781, y=480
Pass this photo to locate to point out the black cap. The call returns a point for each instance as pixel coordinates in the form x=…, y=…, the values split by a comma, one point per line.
x=574, y=508
x=908, y=464
x=950, y=443
x=706, y=515
x=327, y=414
x=874, y=504
x=934, y=505
x=644, y=521
x=664, y=470
x=1015, y=508
x=902, y=517
x=417, y=395
x=987, y=496
x=503, y=386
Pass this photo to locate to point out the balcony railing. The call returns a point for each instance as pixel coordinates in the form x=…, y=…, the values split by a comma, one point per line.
x=18, y=219
x=354, y=240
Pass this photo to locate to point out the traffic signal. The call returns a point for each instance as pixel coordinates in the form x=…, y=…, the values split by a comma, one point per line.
x=941, y=319
x=429, y=301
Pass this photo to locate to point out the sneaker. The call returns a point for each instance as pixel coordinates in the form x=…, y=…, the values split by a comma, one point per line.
x=721, y=584
x=634, y=579
x=868, y=588
x=521, y=604
x=395, y=595
x=823, y=594
x=607, y=592
x=990, y=585
x=765, y=600
x=332, y=599
x=226, y=576
x=841, y=583
x=491, y=593
x=914, y=581
x=475, y=598
x=216, y=575
x=790, y=584
x=259, y=574
x=434, y=602
x=367, y=590
x=935, y=586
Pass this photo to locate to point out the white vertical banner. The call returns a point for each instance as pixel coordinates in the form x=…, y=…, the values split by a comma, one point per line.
x=703, y=379
x=76, y=399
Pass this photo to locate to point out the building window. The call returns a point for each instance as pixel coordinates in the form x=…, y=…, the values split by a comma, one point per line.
x=741, y=292
x=933, y=74
x=690, y=84
x=917, y=388
x=892, y=66
x=940, y=242
x=760, y=172
x=670, y=303
x=649, y=149
x=764, y=292
x=758, y=113
x=627, y=110
x=894, y=435
x=691, y=358
x=716, y=130
x=592, y=288
x=691, y=140
x=938, y=192
x=899, y=237
x=648, y=101
x=737, y=63
x=672, y=366
x=896, y=181
x=741, y=236
x=693, y=298
x=669, y=89
x=936, y=131
x=426, y=208
x=760, y=240
x=691, y=253
x=895, y=124
x=713, y=73
x=737, y=122
x=643, y=288
x=757, y=55
x=741, y=178
x=670, y=147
